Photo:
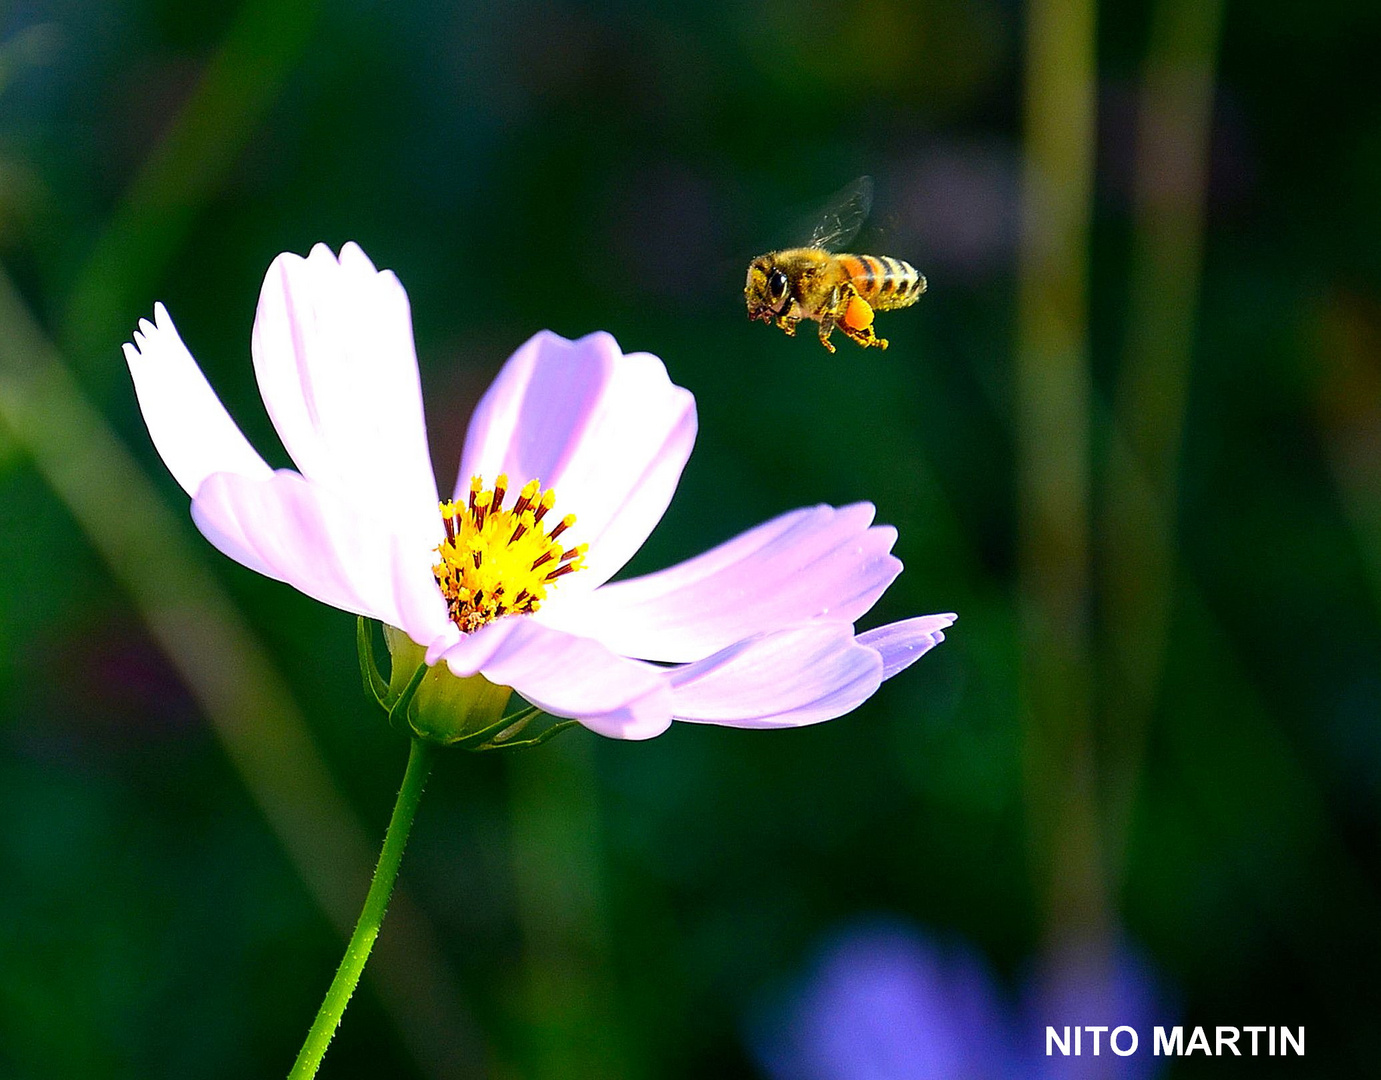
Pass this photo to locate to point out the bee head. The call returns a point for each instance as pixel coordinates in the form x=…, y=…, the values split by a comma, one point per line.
x=767, y=290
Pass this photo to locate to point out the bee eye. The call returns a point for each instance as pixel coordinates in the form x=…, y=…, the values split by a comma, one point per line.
x=776, y=285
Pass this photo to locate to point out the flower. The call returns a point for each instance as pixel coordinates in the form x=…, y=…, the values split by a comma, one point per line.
x=883, y=1001
x=570, y=460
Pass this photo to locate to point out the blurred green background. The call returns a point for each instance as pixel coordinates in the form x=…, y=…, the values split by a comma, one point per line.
x=1132, y=435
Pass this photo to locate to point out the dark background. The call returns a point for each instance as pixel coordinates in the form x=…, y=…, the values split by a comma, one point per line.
x=1156, y=721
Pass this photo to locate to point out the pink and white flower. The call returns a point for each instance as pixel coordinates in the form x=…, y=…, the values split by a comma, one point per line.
x=757, y=632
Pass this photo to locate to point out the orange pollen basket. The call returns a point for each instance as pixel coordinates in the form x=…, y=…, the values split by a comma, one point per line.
x=496, y=562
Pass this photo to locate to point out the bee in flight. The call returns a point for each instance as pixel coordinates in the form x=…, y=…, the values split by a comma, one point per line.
x=836, y=290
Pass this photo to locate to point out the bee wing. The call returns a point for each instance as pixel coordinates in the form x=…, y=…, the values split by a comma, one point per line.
x=844, y=215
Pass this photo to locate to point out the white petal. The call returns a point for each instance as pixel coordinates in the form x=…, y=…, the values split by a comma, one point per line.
x=568, y=676
x=288, y=529
x=901, y=644
x=421, y=608
x=816, y=563
x=788, y=678
x=611, y=433
x=190, y=428
x=334, y=356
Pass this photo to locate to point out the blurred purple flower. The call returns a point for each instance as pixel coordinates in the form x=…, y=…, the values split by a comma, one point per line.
x=1080, y=986
x=884, y=1002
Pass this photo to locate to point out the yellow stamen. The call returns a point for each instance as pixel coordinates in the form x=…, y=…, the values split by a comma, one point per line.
x=562, y=525
x=547, y=501
x=490, y=554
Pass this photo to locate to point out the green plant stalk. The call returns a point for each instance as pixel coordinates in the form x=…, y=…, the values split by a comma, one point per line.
x=182, y=174
x=371, y=916
x=1138, y=558
x=1053, y=394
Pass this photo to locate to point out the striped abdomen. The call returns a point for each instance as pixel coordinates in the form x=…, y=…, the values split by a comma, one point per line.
x=884, y=283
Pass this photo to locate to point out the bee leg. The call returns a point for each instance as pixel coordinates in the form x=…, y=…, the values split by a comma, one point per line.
x=787, y=325
x=858, y=331
x=827, y=325
x=829, y=319
x=865, y=337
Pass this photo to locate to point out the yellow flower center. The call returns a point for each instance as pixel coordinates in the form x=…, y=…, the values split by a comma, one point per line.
x=501, y=562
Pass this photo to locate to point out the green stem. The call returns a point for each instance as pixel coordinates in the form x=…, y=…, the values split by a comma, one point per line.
x=1053, y=387
x=371, y=917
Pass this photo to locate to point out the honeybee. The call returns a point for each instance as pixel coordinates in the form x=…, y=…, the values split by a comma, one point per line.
x=837, y=290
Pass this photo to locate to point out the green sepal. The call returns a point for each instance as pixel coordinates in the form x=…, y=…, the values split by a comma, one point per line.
x=432, y=704
x=435, y=705
x=375, y=685
x=399, y=712
x=502, y=735
x=519, y=720
x=524, y=744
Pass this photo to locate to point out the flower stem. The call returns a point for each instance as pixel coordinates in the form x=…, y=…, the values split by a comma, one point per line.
x=371, y=917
